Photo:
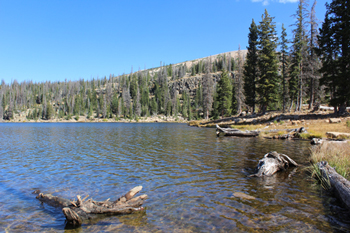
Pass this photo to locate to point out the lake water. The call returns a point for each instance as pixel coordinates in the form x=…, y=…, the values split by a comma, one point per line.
x=189, y=174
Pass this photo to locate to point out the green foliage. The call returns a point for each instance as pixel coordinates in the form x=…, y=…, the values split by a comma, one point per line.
x=49, y=111
x=114, y=104
x=348, y=123
x=284, y=63
x=268, y=65
x=251, y=67
x=224, y=95
x=334, y=51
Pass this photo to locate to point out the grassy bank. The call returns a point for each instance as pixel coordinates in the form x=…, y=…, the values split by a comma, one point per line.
x=316, y=128
x=336, y=154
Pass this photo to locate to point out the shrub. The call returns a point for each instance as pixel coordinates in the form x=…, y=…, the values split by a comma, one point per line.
x=348, y=123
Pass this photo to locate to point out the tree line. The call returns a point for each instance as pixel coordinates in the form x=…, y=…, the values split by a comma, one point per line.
x=274, y=74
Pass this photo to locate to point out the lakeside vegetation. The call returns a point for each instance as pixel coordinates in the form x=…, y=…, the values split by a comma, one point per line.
x=273, y=74
x=336, y=154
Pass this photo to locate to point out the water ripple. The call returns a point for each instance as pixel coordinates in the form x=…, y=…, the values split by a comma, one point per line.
x=189, y=174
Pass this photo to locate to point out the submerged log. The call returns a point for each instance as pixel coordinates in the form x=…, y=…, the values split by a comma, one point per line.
x=338, y=182
x=236, y=132
x=273, y=162
x=76, y=212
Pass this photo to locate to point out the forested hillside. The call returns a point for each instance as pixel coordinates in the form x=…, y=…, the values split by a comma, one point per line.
x=274, y=73
x=171, y=90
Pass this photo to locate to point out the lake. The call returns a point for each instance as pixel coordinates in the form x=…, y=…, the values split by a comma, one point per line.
x=189, y=174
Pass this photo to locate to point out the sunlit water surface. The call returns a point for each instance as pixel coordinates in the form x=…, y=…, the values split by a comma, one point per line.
x=188, y=173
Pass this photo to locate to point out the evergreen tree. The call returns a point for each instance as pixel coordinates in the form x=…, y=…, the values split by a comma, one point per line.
x=251, y=67
x=104, y=108
x=313, y=62
x=284, y=64
x=334, y=52
x=215, y=107
x=49, y=111
x=153, y=106
x=184, y=104
x=268, y=64
x=1, y=108
x=114, y=104
x=224, y=95
x=298, y=57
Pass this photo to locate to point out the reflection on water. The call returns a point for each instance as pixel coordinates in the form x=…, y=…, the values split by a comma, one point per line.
x=189, y=174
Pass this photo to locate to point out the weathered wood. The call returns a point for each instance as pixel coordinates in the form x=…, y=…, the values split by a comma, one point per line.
x=337, y=134
x=76, y=212
x=334, y=120
x=272, y=163
x=236, y=132
x=338, y=182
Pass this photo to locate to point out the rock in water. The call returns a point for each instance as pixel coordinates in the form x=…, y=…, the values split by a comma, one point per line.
x=243, y=196
x=273, y=162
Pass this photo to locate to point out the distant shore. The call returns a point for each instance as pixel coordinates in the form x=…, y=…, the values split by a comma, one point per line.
x=83, y=119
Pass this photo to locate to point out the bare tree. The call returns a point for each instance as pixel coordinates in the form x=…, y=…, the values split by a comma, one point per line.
x=138, y=104
x=104, y=108
x=238, y=82
x=207, y=82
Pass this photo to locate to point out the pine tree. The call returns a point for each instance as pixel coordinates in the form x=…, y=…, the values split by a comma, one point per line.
x=1, y=108
x=114, y=104
x=268, y=65
x=284, y=64
x=104, y=108
x=313, y=62
x=215, y=112
x=334, y=52
x=251, y=67
x=298, y=57
x=185, y=104
x=49, y=111
x=224, y=95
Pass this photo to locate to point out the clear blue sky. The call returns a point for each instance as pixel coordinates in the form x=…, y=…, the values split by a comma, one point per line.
x=54, y=40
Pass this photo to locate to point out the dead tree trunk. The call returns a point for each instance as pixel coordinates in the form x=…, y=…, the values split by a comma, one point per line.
x=338, y=182
x=272, y=163
x=76, y=212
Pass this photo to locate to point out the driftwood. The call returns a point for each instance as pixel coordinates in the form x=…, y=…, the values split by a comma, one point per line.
x=273, y=162
x=78, y=211
x=338, y=182
x=236, y=132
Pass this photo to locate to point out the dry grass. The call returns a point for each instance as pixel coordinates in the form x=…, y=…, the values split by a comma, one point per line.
x=336, y=154
x=321, y=127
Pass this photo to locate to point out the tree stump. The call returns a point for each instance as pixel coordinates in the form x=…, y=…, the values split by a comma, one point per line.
x=272, y=163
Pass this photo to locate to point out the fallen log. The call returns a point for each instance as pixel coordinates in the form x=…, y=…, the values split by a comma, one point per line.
x=337, y=135
x=236, y=132
x=76, y=212
x=338, y=182
x=272, y=163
